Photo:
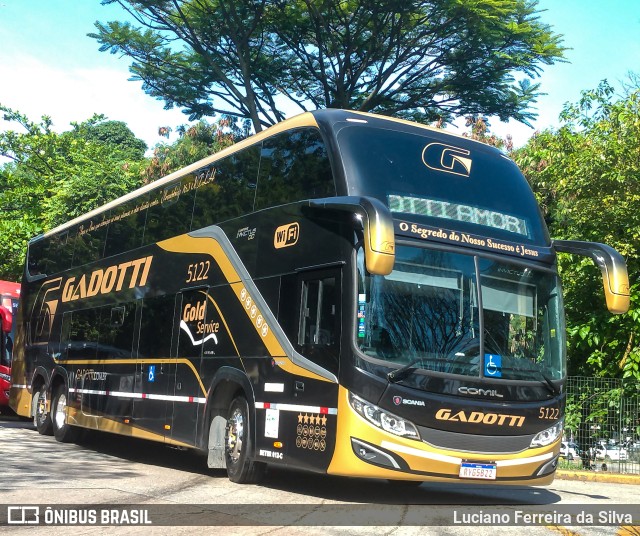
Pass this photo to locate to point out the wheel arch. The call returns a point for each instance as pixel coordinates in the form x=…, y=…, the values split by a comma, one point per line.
x=227, y=384
x=39, y=378
x=58, y=377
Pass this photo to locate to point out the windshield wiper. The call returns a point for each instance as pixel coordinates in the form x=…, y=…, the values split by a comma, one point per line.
x=399, y=374
x=548, y=383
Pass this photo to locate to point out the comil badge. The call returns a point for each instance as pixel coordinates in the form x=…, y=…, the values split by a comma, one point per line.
x=286, y=235
x=447, y=158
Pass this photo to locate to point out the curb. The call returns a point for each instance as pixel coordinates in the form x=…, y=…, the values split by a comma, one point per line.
x=597, y=476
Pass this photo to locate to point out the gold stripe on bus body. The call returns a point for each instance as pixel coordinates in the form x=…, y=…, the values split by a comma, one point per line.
x=204, y=245
x=269, y=339
x=133, y=361
x=421, y=457
x=210, y=246
x=302, y=120
x=22, y=397
x=108, y=424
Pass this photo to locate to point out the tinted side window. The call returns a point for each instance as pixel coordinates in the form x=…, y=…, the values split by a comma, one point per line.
x=227, y=188
x=170, y=211
x=37, y=263
x=116, y=330
x=156, y=327
x=59, y=253
x=82, y=338
x=89, y=241
x=319, y=322
x=51, y=255
x=294, y=166
x=126, y=227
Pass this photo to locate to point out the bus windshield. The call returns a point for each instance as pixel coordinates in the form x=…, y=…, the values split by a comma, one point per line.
x=456, y=314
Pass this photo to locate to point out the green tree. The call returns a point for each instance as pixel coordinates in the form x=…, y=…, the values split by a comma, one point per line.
x=417, y=59
x=195, y=142
x=115, y=134
x=50, y=178
x=586, y=175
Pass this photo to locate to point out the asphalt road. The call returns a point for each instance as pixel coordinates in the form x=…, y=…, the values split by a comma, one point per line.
x=175, y=488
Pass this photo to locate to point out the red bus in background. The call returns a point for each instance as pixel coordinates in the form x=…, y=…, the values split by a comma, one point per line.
x=9, y=296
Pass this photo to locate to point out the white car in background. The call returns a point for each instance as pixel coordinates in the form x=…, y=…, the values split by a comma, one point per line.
x=569, y=450
x=613, y=453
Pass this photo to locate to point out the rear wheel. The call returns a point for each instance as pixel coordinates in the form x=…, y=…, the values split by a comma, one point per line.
x=61, y=428
x=237, y=445
x=41, y=417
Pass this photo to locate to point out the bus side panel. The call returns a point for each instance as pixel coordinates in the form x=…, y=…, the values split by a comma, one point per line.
x=296, y=418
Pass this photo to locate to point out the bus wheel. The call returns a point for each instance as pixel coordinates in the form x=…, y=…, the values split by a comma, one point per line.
x=61, y=428
x=240, y=468
x=41, y=418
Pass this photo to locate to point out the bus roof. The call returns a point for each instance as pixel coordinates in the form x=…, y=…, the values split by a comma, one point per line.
x=315, y=118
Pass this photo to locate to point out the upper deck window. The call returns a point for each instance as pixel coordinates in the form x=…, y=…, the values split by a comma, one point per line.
x=440, y=180
x=293, y=166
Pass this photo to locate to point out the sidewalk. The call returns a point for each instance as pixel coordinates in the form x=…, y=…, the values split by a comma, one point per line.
x=597, y=476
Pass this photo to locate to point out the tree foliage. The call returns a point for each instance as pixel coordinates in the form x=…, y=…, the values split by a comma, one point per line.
x=586, y=174
x=115, y=134
x=195, y=142
x=417, y=59
x=50, y=178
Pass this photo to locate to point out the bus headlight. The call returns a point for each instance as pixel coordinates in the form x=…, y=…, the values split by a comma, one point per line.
x=383, y=419
x=5, y=377
x=548, y=436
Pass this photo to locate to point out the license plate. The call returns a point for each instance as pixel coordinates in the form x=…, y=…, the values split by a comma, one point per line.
x=480, y=471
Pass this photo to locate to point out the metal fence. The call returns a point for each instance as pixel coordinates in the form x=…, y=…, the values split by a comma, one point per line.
x=602, y=425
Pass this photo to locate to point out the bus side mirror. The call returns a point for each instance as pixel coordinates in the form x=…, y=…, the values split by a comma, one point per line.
x=377, y=223
x=612, y=265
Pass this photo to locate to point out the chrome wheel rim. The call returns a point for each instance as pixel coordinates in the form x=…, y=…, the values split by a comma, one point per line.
x=61, y=412
x=235, y=435
x=41, y=406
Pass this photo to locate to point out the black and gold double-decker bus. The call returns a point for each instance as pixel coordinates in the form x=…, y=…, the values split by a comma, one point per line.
x=342, y=293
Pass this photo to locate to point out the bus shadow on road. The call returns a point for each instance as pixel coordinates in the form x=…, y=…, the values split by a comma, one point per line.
x=327, y=487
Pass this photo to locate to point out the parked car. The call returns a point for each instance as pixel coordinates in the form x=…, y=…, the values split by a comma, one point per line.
x=611, y=453
x=570, y=450
x=595, y=447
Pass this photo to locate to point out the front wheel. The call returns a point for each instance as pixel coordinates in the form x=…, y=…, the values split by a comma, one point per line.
x=237, y=445
x=62, y=431
x=41, y=417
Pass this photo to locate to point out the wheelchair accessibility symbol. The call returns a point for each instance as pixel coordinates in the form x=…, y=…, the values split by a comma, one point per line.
x=493, y=365
x=152, y=373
